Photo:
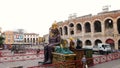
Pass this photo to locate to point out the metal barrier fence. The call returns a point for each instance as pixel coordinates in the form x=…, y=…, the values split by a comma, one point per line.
x=8, y=57
x=78, y=64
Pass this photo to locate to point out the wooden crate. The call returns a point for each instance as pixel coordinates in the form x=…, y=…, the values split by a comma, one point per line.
x=65, y=60
x=79, y=54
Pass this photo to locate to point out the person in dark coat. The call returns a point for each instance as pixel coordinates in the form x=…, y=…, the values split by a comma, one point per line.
x=38, y=51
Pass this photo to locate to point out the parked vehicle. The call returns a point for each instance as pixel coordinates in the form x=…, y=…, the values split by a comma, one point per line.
x=101, y=48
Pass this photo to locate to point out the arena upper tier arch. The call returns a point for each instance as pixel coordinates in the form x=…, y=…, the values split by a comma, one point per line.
x=92, y=29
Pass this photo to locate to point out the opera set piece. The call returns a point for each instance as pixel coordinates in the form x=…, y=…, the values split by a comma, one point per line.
x=58, y=50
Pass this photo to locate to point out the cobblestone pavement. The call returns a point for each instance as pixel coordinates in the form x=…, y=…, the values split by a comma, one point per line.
x=30, y=63
x=110, y=64
x=25, y=64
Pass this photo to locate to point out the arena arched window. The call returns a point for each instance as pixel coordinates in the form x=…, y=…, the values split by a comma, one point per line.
x=71, y=25
x=88, y=43
x=97, y=41
x=108, y=24
x=97, y=26
x=118, y=25
x=78, y=28
x=87, y=27
x=65, y=30
x=61, y=31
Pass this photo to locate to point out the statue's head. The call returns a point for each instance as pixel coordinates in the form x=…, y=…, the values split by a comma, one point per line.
x=54, y=25
x=64, y=43
x=71, y=39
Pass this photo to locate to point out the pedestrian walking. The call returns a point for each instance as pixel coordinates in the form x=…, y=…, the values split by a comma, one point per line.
x=38, y=51
x=12, y=50
x=84, y=64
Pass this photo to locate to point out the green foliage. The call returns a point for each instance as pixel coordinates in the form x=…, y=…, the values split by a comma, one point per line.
x=1, y=40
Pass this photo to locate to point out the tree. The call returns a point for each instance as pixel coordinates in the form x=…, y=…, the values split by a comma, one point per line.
x=1, y=40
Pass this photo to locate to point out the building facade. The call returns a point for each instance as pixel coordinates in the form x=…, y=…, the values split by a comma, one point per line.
x=9, y=37
x=31, y=38
x=46, y=38
x=40, y=40
x=18, y=38
x=93, y=29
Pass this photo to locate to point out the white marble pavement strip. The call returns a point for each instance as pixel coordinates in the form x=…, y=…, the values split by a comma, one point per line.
x=110, y=64
x=25, y=64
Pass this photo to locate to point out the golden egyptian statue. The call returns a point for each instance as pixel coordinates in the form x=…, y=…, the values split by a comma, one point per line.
x=54, y=25
x=72, y=44
x=54, y=40
x=63, y=48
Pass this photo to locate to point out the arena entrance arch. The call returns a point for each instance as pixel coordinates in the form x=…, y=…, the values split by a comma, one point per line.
x=111, y=42
x=88, y=43
x=97, y=41
x=119, y=44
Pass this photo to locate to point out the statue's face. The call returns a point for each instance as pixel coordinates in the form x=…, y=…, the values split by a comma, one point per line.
x=65, y=43
x=54, y=26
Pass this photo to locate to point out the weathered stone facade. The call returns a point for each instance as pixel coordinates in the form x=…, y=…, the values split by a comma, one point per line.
x=9, y=37
x=92, y=29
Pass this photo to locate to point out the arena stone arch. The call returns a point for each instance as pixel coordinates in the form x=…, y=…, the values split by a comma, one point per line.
x=65, y=30
x=88, y=43
x=119, y=44
x=97, y=41
x=61, y=31
x=71, y=25
x=97, y=26
x=118, y=25
x=87, y=27
x=108, y=23
x=111, y=42
x=78, y=28
x=79, y=44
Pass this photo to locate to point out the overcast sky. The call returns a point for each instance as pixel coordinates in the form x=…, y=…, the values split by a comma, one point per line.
x=38, y=15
